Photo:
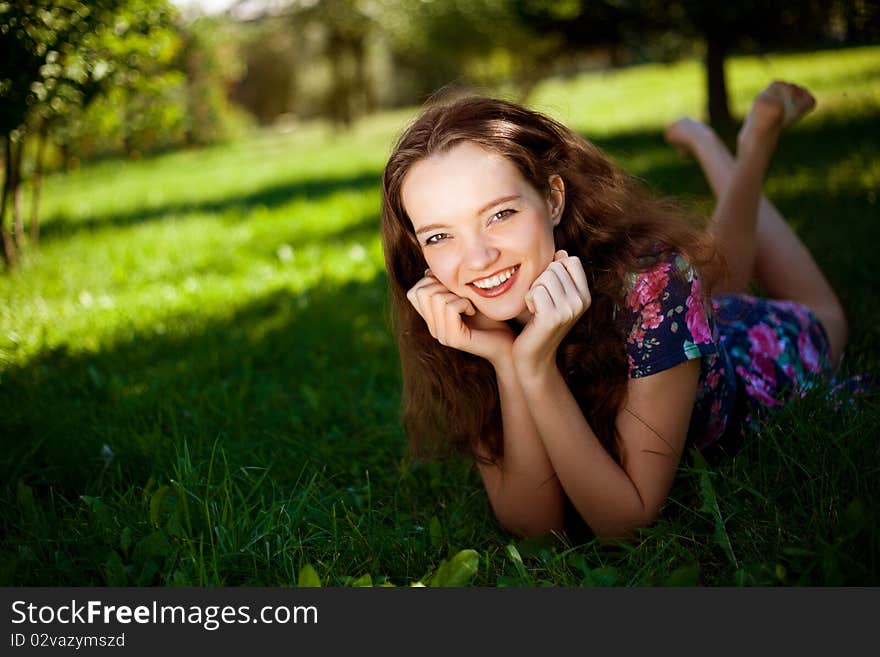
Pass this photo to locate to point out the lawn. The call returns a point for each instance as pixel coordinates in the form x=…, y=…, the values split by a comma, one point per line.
x=199, y=385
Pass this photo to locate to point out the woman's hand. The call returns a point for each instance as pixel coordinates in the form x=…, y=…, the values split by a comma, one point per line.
x=556, y=299
x=455, y=323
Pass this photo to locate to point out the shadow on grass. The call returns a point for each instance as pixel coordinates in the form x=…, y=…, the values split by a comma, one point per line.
x=59, y=226
x=274, y=432
x=283, y=380
x=280, y=421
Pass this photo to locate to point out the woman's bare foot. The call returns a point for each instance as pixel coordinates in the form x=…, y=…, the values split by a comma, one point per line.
x=687, y=134
x=778, y=106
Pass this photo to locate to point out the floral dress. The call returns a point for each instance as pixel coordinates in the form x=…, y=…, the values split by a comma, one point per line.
x=756, y=353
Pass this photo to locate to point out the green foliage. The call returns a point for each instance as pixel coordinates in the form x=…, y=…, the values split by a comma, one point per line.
x=456, y=41
x=63, y=54
x=308, y=577
x=209, y=58
x=138, y=106
x=458, y=571
x=200, y=386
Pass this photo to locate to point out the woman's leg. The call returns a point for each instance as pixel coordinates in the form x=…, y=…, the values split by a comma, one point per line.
x=751, y=233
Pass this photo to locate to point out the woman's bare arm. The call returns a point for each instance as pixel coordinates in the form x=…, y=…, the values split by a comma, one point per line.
x=523, y=489
x=615, y=499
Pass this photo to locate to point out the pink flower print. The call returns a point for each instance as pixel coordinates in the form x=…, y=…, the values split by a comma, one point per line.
x=637, y=336
x=757, y=387
x=808, y=353
x=695, y=317
x=765, y=366
x=712, y=379
x=651, y=316
x=649, y=286
x=764, y=342
x=797, y=310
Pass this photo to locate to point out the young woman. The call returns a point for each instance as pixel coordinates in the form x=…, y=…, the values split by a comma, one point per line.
x=554, y=318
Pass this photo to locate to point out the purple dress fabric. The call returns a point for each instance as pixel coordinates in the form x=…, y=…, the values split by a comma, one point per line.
x=756, y=353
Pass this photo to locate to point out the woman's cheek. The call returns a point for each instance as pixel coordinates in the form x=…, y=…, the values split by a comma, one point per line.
x=441, y=271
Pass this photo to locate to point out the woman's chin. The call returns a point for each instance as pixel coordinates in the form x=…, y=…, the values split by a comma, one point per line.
x=502, y=314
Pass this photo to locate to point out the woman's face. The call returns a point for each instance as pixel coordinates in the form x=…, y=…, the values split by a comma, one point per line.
x=485, y=232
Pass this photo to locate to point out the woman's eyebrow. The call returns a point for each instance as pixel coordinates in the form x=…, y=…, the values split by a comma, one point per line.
x=424, y=229
x=497, y=201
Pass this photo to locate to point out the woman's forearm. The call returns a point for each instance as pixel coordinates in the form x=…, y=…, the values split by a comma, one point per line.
x=523, y=489
x=599, y=488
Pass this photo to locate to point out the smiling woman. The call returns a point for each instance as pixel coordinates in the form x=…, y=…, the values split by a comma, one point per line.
x=486, y=232
x=573, y=332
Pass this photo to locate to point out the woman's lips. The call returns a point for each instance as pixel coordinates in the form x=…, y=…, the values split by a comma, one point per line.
x=498, y=290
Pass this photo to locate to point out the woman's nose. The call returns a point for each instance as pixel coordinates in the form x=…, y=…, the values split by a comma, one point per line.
x=479, y=254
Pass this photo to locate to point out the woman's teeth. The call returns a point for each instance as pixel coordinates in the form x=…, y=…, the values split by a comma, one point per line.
x=496, y=280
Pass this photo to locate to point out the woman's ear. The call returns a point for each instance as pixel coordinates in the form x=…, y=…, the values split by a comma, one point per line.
x=556, y=198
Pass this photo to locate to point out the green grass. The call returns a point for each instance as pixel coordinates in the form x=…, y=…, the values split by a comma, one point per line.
x=199, y=386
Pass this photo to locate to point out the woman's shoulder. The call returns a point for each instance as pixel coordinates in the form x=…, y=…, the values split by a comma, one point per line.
x=669, y=318
x=653, y=271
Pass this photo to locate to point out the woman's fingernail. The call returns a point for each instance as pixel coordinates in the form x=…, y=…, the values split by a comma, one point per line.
x=428, y=272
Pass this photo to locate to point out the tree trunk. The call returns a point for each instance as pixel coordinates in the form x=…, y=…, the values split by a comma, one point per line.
x=15, y=178
x=716, y=84
x=38, y=184
x=8, y=246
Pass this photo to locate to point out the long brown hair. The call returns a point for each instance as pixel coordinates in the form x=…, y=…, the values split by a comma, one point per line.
x=611, y=221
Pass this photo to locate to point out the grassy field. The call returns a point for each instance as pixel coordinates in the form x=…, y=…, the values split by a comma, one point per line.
x=198, y=384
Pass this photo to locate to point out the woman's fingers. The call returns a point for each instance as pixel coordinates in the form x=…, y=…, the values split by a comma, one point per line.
x=438, y=305
x=446, y=311
x=573, y=304
x=440, y=308
x=413, y=293
x=420, y=297
x=550, y=281
x=456, y=333
x=541, y=300
x=575, y=269
x=566, y=287
x=461, y=306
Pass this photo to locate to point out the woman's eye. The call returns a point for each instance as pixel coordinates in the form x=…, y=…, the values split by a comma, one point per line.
x=500, y=216
x=434, y=239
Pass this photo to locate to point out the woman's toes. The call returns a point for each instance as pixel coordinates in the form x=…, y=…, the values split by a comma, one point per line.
x=782, y=103
x=685, y=133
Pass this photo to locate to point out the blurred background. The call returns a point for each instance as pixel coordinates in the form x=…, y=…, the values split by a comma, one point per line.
x=86, y=80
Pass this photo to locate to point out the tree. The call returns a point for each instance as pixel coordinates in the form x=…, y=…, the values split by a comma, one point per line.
x=668, y=27
x=750, y=25
x=309, y=57
x=56, y=57
x=486, y=43
x=209, y=58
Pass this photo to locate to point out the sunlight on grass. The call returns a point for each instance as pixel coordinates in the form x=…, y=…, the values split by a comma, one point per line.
x=650, y=96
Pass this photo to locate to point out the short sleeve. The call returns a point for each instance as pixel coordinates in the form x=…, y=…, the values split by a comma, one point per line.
x=668, y=317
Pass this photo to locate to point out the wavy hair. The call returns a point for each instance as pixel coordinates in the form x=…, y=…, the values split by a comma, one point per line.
x=611, y=221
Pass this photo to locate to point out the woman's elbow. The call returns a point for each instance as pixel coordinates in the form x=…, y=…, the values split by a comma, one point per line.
x=532, y=530
x=624, y=528
x=539, y=524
